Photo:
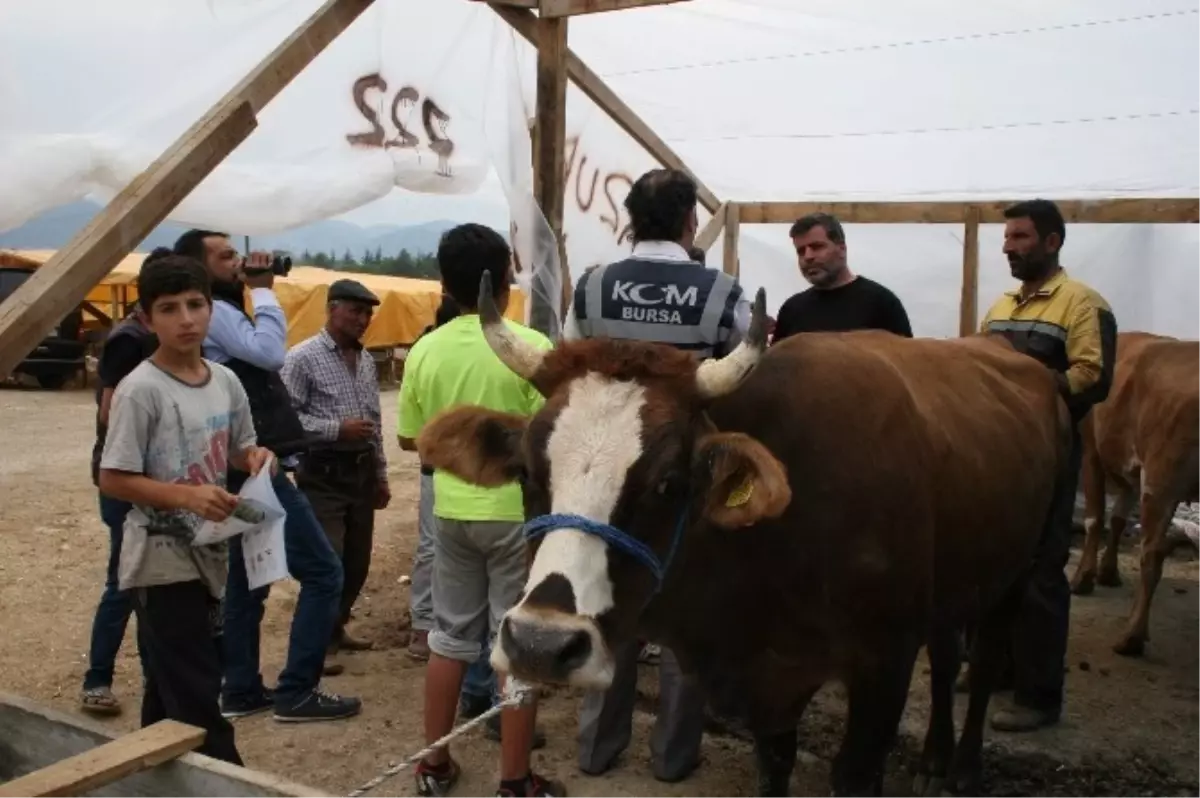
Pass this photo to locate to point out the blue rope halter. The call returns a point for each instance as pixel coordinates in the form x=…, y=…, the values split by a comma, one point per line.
x=618, y=539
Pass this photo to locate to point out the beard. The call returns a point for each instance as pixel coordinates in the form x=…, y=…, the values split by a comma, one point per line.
x=1027, y=268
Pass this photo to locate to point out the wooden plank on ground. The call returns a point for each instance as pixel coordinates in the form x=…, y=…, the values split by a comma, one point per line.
x=34, y=309
x=141, y=750
x=524, y=23
x=708, y=234
x=568, y=8
x=1107, y=211
x=968, y=303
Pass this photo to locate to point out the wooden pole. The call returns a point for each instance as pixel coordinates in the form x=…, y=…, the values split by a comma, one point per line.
x=968, y=303
x=34, y=309
x=1167, y=210
x=731, y=265
x=525, y=23
x=550, y=137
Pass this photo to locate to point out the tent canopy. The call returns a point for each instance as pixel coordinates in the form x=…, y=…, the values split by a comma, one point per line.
x=406, y=306
x=764, y=99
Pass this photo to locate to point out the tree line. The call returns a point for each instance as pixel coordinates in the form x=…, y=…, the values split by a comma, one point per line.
x=420, y=265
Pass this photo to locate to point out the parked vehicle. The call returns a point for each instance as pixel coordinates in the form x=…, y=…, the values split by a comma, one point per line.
x=59, y=356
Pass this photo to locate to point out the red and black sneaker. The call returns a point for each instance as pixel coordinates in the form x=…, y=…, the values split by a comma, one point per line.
x=534, y=785
x=436, y=780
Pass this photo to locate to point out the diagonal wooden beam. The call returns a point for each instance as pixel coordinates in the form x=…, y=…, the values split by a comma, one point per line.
x=549, y=9
x=708, y=234
x=525, y=23
x=35, y=308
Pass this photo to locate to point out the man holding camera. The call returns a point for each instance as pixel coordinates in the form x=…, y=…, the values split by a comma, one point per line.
x=254, y=349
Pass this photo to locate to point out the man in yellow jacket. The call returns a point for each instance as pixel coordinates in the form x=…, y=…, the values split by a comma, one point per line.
x=1071, y=329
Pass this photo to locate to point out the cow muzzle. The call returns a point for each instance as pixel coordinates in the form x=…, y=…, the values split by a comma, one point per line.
x=554, y=648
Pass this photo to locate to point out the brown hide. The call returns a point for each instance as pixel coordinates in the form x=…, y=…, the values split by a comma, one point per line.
x=921, y=472
x=1141, y=445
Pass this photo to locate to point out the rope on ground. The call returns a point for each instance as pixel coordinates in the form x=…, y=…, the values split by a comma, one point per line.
x=515, y=694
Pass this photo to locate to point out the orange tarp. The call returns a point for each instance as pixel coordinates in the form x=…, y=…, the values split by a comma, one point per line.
x=406, y=305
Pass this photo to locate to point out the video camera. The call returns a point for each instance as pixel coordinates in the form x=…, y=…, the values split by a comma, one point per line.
x=280, y=265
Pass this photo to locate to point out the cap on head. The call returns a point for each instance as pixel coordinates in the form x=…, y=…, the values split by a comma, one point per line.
x=351, y=290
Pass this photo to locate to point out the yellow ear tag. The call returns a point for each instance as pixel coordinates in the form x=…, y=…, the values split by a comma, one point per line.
x=741, y=494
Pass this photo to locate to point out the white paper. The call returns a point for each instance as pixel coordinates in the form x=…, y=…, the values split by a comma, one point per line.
x=257, y=506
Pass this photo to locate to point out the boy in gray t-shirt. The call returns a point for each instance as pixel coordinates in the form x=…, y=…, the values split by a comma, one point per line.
x=177, y=423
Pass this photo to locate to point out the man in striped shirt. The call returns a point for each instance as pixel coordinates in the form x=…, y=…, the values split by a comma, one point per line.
x=335, y=390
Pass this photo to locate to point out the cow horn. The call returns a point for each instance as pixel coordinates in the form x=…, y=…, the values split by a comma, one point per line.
x=518, y=355
x=718, y=377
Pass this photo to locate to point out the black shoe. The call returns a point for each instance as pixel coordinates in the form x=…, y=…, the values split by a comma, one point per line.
x=491, y=730
x=472, y=706
x=534, y=785
x=317, y=705
x=437, y=781
x=243, y=706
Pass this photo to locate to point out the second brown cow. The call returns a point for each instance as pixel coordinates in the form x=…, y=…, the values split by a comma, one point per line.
x=1141, y=445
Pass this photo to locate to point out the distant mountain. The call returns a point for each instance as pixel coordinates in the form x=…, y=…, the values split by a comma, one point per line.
x=55, y=228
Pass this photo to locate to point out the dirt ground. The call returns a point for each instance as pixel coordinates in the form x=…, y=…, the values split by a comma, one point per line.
x=1130, y=726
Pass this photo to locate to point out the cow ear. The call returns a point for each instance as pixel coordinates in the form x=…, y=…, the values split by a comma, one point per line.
x=745, y=483
x=477, y=445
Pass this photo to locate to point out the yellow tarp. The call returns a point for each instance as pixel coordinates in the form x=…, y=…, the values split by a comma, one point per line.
x=406, y=305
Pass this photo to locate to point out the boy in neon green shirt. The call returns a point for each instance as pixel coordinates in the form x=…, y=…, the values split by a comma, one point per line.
x=479, y=567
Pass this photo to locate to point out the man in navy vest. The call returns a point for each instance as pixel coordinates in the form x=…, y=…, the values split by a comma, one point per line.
x=663, y=295
x=254, y=349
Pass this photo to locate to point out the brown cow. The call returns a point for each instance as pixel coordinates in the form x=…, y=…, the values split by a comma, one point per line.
x=1142, y=443
x=818, y=517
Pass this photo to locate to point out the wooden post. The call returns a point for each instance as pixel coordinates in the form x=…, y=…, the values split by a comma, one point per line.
x=527, y=25
x=968, y=303
x=732, y=227
x=550, y=138
x=34, y=309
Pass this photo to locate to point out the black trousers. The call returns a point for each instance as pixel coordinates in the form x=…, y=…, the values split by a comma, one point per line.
x=183, y=666
x=1039, y=638
x=342, y=488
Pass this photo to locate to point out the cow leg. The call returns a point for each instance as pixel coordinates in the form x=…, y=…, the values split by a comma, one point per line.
x=944, y=662
x=1157, y=512
x=1083, y=581
x=776, y=755
x=988, y=657
x=1110, y=575
x=878, y=694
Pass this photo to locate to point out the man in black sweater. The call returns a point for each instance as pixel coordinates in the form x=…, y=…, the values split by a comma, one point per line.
x=839, y=300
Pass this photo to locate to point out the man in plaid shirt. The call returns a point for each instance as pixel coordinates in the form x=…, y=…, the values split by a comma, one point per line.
x=335, y=390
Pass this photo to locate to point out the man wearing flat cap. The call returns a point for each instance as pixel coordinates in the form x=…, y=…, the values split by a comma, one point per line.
x=335, y=390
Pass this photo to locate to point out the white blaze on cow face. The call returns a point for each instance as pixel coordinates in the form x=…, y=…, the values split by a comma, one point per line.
x=596, y=438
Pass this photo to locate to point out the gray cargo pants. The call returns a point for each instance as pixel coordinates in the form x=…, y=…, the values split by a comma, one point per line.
x=606, y=719
x=420, y=602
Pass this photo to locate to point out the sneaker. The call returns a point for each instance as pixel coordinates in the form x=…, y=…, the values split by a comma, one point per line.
x=535, y=785
x=491, y=730
x=318, y=705
x=245, y=705
x=472, y=706
x=436, y=780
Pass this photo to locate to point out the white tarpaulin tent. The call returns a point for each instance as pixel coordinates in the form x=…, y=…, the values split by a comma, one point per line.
x=764, y=99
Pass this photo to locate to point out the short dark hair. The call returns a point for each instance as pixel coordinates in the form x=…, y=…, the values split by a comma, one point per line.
x=826, y=221
x=191, y=243
x=171, y=275
x=696, y=254
x=659, y=203
x=464, y=254
x=1044, y=214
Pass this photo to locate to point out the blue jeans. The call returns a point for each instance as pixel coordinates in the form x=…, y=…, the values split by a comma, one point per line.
x=480, y=680
x=313, y=563
x=112, y=615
